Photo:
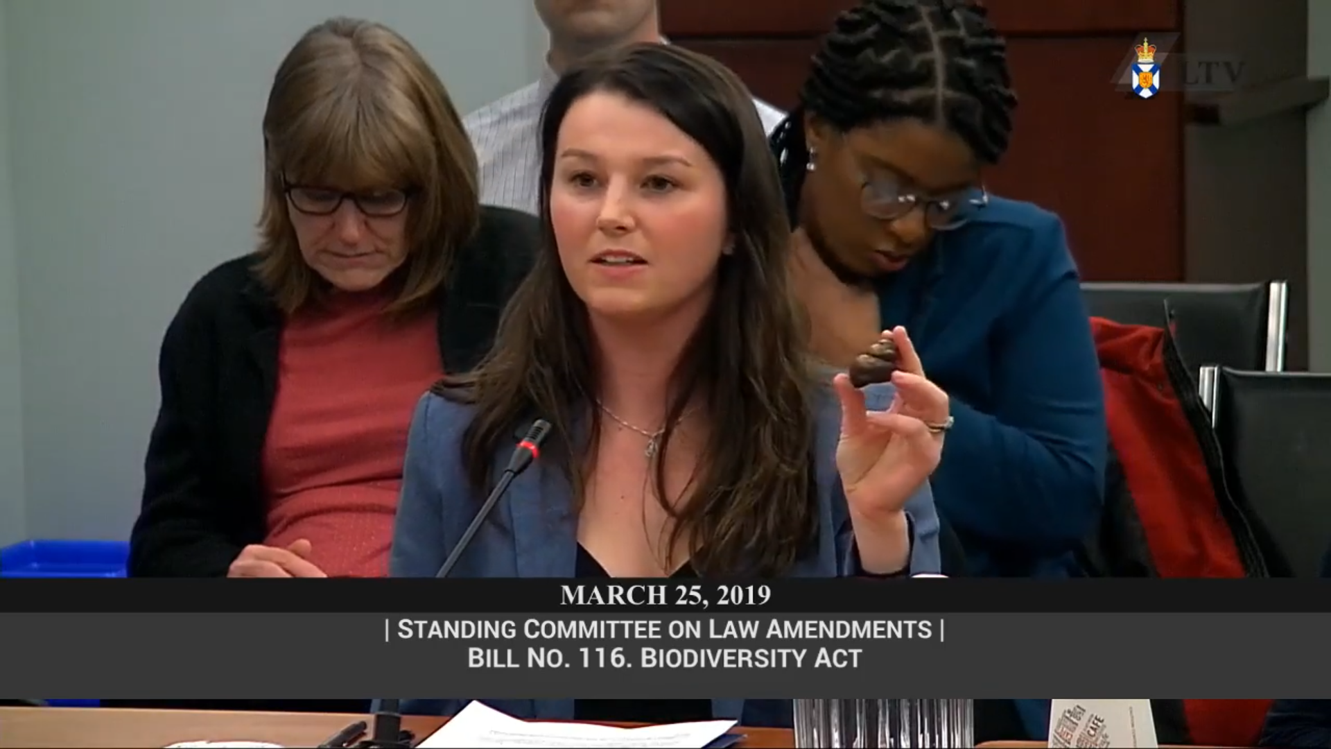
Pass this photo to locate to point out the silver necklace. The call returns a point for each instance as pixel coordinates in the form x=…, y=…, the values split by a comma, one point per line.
x=653, y=438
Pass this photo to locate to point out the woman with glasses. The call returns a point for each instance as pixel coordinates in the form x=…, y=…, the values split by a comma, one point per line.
x=289, y=376
x=907, y=103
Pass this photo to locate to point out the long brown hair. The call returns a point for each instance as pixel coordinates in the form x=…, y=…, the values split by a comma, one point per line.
x=752, y=510
x=354, y=105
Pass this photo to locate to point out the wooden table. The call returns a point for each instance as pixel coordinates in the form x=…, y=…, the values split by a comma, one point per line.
x=121, y=728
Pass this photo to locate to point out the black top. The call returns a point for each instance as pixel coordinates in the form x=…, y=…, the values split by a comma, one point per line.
x=203, y=498
x=636, y=711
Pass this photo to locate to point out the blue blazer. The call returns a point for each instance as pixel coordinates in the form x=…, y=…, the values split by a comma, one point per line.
x=995, y=310
x=1297, y=723
x=437, y=505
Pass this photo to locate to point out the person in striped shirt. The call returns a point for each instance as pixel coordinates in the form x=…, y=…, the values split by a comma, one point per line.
x=504, y=132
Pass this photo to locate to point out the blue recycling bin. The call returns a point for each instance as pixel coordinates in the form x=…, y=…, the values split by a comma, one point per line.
x=41, y=558
x=51, y=558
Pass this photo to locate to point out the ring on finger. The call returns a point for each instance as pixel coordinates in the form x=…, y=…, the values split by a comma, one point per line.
x=939, y=428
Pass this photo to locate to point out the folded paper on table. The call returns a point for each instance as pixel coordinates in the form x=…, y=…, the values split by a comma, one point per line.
x=479, y=725
x=1099, y=724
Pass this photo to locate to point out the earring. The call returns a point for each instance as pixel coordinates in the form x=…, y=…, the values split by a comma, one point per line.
x=810, y=166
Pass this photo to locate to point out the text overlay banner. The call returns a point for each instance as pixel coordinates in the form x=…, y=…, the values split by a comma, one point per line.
x=650, y=656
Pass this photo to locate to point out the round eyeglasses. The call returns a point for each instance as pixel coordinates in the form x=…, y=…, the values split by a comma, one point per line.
x=322, y=201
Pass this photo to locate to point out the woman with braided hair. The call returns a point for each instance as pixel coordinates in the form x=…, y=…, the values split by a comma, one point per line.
x=882, y=163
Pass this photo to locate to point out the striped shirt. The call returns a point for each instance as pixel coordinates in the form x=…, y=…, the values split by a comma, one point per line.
x=507, y=142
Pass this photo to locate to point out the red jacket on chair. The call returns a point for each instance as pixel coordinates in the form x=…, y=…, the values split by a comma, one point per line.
x=1169, y=511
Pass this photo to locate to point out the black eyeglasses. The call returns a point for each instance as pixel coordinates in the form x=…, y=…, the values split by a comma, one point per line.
x=323, y=201
x=883, y=197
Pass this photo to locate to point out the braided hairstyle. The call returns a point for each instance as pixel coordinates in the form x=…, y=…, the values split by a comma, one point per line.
x=939, y=61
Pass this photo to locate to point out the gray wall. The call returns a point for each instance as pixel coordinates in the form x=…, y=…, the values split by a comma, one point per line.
x=12, y=505
x=129, y=131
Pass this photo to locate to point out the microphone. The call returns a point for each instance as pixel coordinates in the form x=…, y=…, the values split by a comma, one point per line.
x=527, y=450
x=388, y=733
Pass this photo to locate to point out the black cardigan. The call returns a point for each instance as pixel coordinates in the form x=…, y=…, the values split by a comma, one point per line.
x=203, y=497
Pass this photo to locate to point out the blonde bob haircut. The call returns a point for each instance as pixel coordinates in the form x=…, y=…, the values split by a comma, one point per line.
x=355, y=107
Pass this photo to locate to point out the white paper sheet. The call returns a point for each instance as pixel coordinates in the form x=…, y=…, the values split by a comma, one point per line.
x=479, y=725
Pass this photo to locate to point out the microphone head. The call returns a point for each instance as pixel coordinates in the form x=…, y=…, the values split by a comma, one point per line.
x=540, y=429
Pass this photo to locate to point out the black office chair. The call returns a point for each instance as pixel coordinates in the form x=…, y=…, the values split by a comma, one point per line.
x=1229, y=325
x=1275, y=434
x=1118, y=546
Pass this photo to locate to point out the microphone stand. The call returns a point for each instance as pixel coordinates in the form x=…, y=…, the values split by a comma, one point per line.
x=523, y=455
x=387, y=732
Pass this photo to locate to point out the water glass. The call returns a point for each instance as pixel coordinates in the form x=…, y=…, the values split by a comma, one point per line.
x=884, y=724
